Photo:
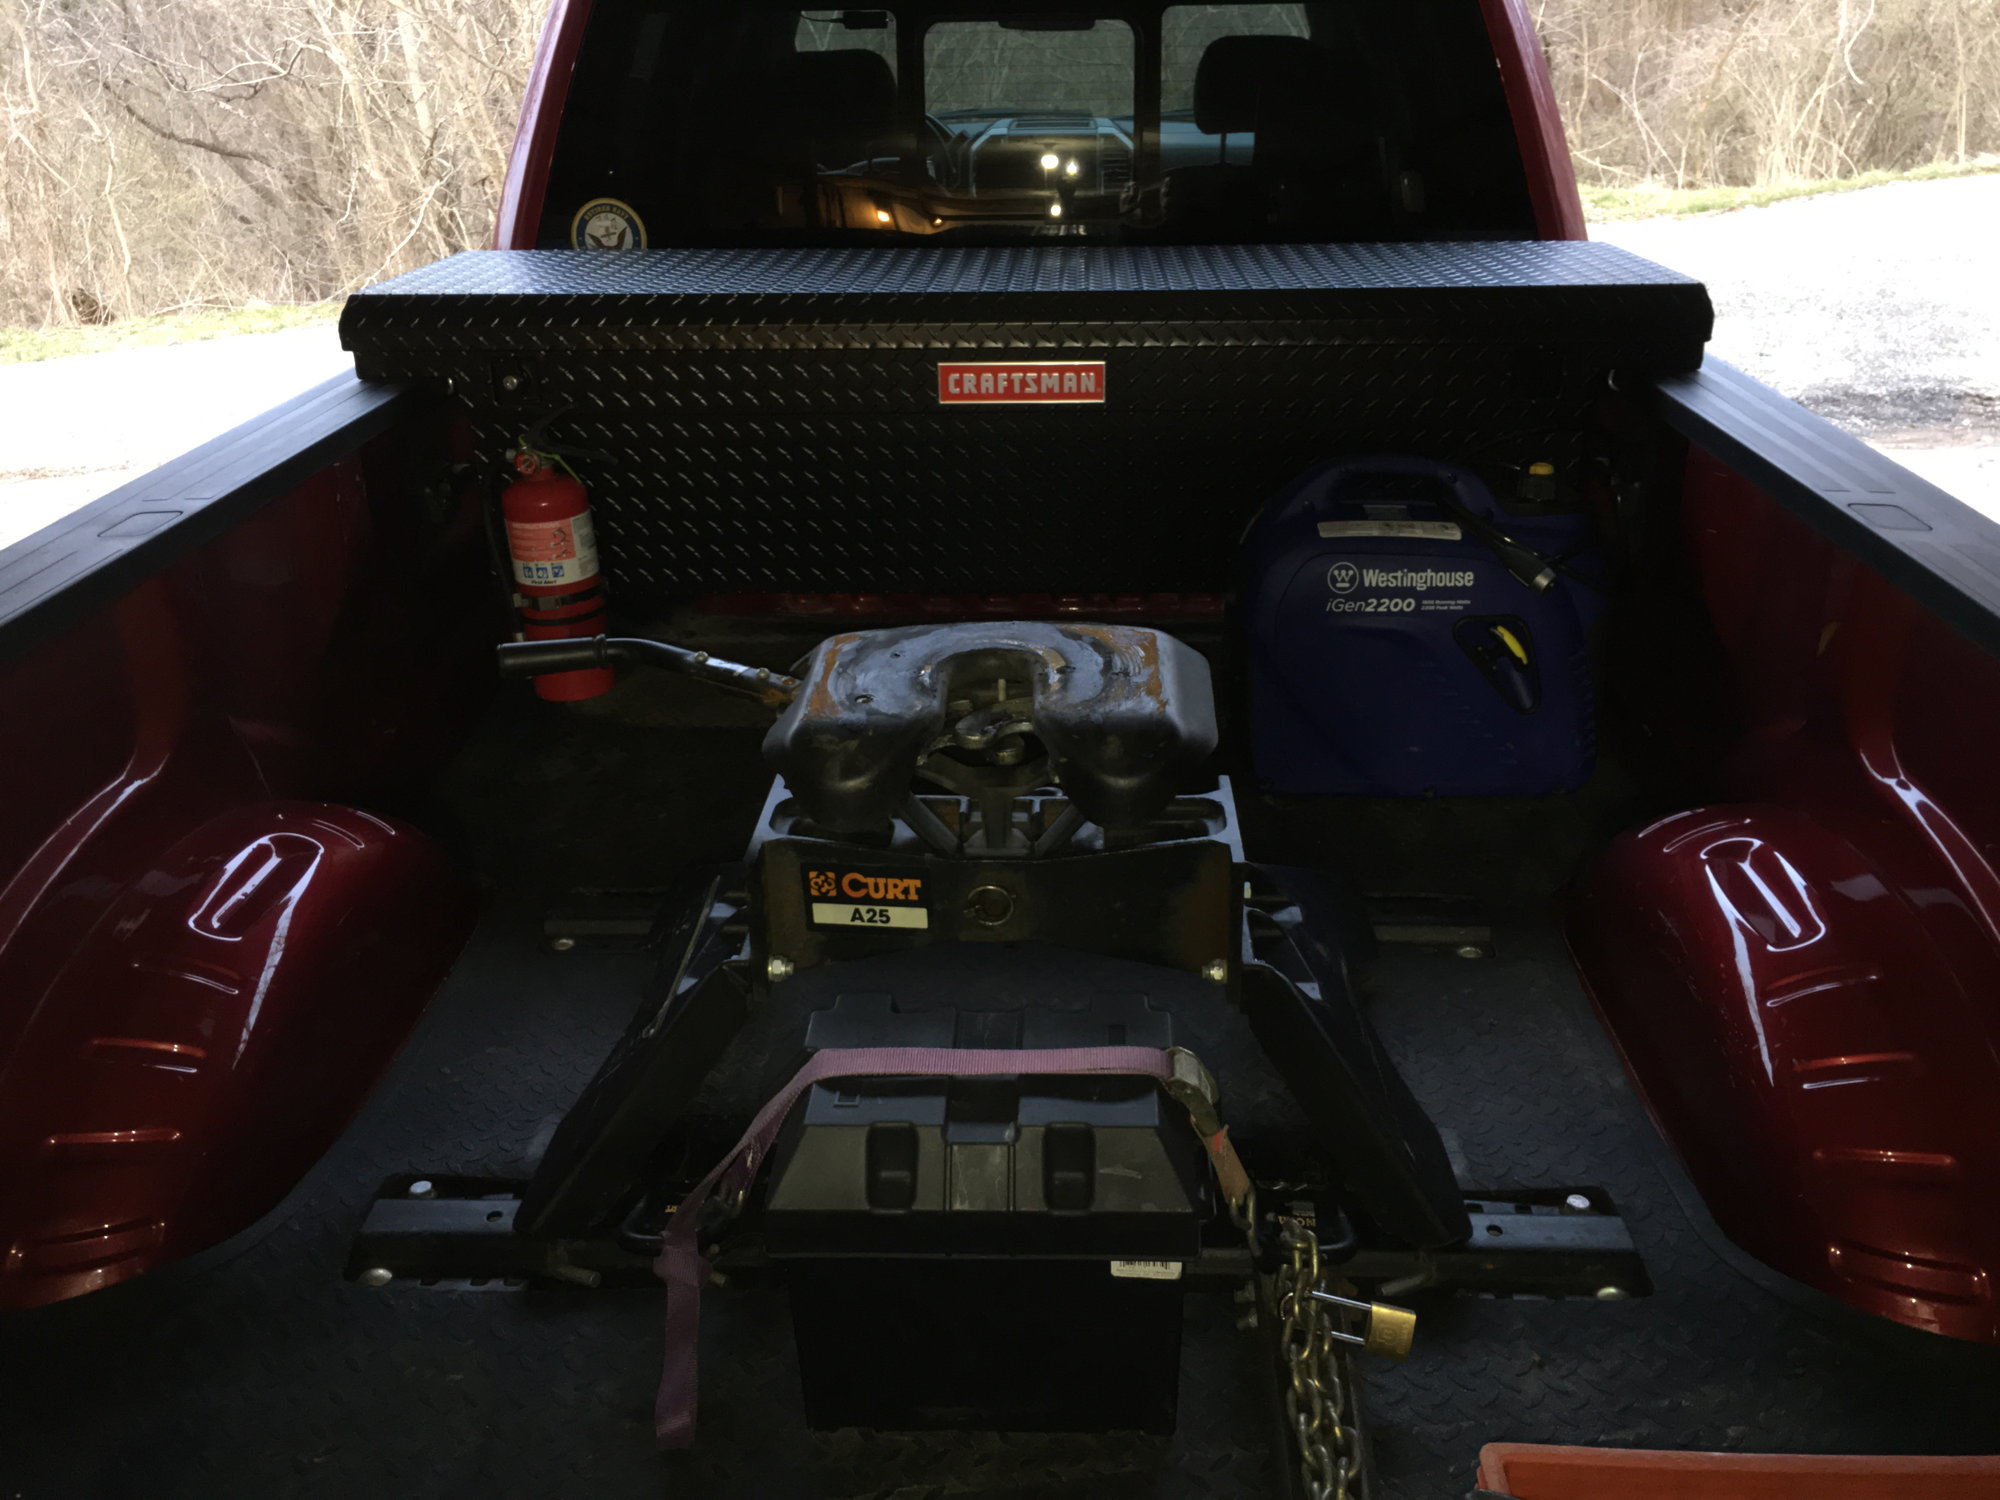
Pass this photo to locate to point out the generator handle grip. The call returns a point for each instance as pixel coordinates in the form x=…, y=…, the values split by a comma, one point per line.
x=1471, y=505
x=1464, y=484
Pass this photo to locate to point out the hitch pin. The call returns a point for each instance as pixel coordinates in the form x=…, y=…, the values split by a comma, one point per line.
x=1391, y=1330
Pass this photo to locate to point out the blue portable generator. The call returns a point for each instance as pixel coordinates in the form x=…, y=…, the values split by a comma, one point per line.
x=1408, y=637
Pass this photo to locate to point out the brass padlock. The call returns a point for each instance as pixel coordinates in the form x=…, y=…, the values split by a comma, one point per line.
x=1390, y=1330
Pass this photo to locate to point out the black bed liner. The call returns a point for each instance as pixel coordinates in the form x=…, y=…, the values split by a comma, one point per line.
x=259, y=1372
x=770, y=419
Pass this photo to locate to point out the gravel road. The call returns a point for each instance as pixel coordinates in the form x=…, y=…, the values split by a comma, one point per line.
x=73, y=429
x=1880, y=309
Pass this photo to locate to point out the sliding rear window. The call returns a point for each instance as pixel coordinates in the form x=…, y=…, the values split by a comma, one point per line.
x=751, y=124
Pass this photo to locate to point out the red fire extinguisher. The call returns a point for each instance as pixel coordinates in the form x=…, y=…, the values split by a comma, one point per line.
x=553, y=546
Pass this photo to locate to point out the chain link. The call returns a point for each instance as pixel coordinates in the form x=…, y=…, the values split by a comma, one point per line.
x=1321, y=1394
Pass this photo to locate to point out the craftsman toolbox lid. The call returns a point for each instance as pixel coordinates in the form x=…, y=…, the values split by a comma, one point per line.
x=1004, y=418
x=562, y=301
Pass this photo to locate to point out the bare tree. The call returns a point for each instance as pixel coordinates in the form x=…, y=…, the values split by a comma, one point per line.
x=163, y=154
x=1699, y=93
x=168, y=153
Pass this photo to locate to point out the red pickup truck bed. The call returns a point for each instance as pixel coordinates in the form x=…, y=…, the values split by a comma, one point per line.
x=257, y=1370
x=277, y=819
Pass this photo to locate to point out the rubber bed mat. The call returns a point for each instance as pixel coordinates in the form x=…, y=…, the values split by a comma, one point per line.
x=258, y=1372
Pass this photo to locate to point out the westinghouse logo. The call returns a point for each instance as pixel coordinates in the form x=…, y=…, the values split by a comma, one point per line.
x=1344, y=577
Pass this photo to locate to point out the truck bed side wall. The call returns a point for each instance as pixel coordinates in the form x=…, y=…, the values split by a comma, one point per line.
x=205, y=958
x=1805, y=974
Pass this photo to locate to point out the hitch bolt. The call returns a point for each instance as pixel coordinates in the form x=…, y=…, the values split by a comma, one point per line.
x=562, y=944
x=1472, y=950
x=423, y=1187
x=510, y=383
x=778, y=969
x=1217, y=972
x=1577, y=1200
x=376, y=1276
x=1612, y=1294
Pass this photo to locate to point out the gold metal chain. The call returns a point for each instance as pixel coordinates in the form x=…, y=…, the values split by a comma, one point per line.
x=1320, y=1399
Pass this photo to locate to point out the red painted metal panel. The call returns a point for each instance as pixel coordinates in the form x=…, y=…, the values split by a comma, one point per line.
x=175, y=1050
x=526, y=188
x=1812, y=1054
x=1538, y=126
x=1806, y=982
x=210, y=1035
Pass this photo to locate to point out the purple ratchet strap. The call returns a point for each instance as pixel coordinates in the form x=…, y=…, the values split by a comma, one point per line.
x=681, y=1264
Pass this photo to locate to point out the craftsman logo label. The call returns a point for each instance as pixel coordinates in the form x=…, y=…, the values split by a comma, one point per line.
x=864, y=899
x=1030, y=383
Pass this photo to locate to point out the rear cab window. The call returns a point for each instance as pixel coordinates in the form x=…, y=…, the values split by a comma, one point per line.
x=1340, y=120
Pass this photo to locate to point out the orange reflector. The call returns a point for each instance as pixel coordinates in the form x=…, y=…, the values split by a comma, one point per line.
x=1530, y=1471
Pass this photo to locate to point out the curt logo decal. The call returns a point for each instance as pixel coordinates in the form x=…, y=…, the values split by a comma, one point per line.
x=1022, y=382
x=864, y=898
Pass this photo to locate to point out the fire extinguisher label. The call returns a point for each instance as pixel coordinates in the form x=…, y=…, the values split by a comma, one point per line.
x=553, y=552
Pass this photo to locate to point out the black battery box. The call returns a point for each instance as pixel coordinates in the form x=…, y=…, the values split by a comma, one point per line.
x=997, y=1252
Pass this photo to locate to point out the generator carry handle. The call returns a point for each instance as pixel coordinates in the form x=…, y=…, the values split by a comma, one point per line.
x=1468, y=490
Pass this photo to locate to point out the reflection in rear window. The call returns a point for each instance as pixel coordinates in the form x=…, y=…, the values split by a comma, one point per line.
x=753, y=124
x=983, y=67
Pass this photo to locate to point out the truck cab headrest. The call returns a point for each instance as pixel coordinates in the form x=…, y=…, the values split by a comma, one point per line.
x=1258, y=84
x=844, y=100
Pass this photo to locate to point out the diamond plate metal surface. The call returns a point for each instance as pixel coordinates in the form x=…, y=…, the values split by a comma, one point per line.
x=263, y=1374
x=768, y=419
x=1233, y=269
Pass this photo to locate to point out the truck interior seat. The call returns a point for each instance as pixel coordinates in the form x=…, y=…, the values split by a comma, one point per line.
x=839, y=108
x=1313, y=166
x=827, y=111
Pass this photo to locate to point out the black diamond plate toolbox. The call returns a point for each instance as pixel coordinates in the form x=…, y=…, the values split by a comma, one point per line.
x=772, y=419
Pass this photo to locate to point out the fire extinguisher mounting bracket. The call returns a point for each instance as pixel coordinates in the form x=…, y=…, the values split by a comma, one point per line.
x=515, y=382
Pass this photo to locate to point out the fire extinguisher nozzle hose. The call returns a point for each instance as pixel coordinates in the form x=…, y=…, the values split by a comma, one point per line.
x=533, y=658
